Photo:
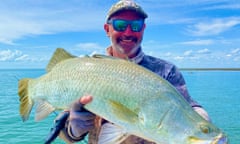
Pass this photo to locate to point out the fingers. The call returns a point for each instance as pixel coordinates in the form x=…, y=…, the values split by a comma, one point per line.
x=78, y=128
x=82, y=125
x=81, y=120
x=86, y=99
x=82, y=116
x=78, y=113
x=78, y=105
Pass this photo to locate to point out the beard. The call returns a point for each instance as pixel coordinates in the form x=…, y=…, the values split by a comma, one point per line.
x=127, y=45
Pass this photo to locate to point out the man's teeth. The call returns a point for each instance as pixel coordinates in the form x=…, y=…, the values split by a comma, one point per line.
x=127, y=40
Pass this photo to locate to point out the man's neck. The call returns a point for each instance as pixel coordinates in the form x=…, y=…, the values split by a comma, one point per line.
x=136, y=57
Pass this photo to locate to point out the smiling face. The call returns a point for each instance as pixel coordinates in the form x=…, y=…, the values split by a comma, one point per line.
x=126, y=43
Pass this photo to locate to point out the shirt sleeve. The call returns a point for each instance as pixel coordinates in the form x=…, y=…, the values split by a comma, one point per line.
x=174, y=76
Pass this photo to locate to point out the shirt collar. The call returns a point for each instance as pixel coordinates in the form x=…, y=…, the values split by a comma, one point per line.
x=137, y=59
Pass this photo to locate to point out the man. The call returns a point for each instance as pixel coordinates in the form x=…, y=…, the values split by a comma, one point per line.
x=125, y=27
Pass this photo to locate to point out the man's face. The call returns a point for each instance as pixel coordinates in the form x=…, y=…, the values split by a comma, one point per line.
x=125, y=42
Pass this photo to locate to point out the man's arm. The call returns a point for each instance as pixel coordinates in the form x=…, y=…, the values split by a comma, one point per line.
x=176, y=79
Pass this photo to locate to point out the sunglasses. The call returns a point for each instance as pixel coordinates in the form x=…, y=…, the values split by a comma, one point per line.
x=121, y=25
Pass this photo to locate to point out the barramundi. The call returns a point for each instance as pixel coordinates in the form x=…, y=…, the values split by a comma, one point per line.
x=133, y=99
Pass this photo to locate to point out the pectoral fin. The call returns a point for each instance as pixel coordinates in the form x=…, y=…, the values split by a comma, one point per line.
x=111, y=134
x=123, y=113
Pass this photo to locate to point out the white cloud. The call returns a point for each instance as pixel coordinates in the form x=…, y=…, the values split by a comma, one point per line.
x=236, y=51
x=204, y=51
x=89, y=46
x=8, y=55
x=47, y=17
x=198, y=42
x=235, y=54
x=168, y=54
x=22, y=58
x=214, y=27
x=188, y=53
x=178, y=58
x=17, y=56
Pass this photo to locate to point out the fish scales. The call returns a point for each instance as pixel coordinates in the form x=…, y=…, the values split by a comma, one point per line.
x=92, y=76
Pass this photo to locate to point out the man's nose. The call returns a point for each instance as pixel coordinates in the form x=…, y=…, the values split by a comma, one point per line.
x=128, y=31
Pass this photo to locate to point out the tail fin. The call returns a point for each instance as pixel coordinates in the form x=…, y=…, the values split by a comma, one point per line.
x=26, y=103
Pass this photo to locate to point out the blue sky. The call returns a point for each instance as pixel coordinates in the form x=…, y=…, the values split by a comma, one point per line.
x=199, y=33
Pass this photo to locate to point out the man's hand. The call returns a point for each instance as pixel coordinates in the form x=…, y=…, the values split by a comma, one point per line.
x=81, y=120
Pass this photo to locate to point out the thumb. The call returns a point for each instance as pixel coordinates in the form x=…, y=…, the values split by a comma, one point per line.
x=78, y=104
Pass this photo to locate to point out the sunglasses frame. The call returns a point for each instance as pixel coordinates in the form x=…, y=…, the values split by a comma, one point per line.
x=128, y=22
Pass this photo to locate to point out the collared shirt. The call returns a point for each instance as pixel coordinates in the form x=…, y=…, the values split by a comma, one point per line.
x=164, y=69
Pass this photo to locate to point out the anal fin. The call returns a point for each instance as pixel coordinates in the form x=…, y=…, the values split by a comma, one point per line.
x=43, y=109
x=112, y=134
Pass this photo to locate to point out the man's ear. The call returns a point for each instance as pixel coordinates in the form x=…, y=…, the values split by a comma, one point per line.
x=144, y=26
x=106, y=28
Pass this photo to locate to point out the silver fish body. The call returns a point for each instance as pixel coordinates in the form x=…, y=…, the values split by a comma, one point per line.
x=136, y=100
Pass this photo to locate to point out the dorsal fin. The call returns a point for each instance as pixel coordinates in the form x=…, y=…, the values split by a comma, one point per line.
x=109, y=57
x=59, y=55
x=101, y=56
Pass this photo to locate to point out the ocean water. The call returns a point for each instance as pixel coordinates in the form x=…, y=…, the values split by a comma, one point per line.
x=217, y=91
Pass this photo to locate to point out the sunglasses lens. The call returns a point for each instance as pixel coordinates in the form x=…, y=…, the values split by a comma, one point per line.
x=120, y=25
x=137, y=25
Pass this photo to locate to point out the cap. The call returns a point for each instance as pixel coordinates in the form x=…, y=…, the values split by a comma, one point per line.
x=126, y=5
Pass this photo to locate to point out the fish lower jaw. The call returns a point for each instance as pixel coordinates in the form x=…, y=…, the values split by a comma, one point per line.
x=220, y=139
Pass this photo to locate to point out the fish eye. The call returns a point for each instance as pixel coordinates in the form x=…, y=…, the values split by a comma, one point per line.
x=205, y=129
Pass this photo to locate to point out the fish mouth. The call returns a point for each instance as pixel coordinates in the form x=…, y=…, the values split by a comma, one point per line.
x=220, y=139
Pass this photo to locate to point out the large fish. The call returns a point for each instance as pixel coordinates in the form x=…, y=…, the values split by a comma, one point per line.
x=136, y=100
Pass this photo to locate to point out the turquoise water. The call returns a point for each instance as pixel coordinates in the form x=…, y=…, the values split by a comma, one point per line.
x=217, y=91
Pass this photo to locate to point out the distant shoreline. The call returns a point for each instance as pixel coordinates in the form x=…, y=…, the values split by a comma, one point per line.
x=209, y=69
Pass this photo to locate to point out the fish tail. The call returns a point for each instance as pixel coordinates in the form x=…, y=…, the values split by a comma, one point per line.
x=26, y=103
